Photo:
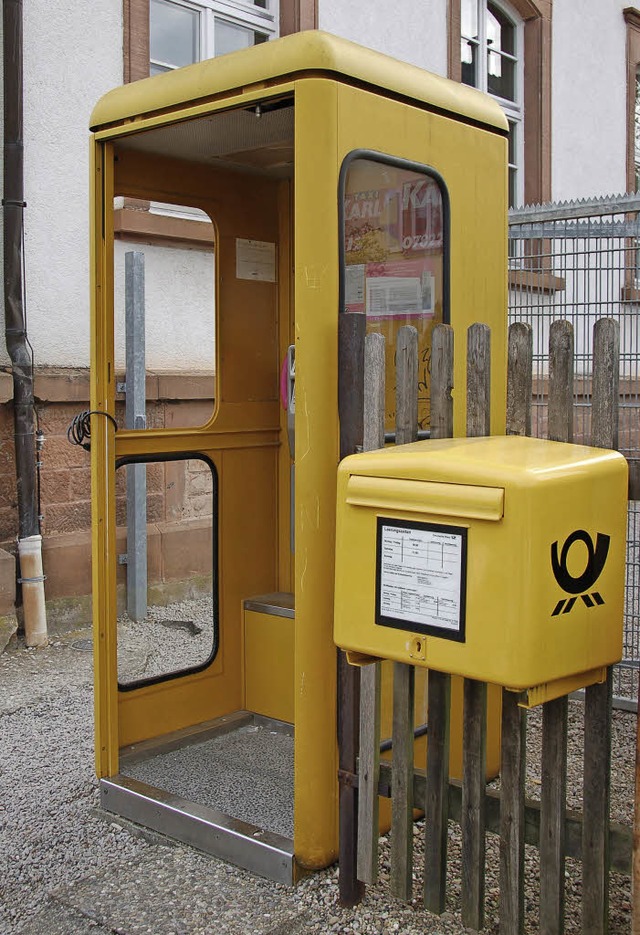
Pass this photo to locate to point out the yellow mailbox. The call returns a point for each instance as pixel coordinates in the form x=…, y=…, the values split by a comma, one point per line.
x=499, y=559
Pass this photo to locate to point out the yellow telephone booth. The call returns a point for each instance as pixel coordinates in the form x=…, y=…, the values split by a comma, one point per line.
x=334, y=180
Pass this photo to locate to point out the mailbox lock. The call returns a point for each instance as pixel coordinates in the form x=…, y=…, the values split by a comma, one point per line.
x=417, y=648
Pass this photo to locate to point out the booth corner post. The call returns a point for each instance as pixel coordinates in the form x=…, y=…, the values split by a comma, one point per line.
x=351, y=336
x=17, y=341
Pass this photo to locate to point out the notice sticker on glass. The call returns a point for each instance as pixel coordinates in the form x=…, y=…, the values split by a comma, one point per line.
x=421, y=577
x=393, y=296
x=400, y=289
x=354, y=287
x=255, y=259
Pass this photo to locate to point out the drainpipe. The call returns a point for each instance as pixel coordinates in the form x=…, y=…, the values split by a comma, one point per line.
x=18, y=347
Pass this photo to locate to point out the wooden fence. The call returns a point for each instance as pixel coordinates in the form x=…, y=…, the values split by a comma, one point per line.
x=588, y=835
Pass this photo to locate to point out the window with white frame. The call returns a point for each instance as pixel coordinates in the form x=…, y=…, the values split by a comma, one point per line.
x=491, y=58
x=182, y=32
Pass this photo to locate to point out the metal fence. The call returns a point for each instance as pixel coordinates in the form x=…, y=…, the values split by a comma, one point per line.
x=580, y=261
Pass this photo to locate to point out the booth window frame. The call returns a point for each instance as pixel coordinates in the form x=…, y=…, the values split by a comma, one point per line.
x=293, y=16
x=215, y=578
x=262, y=20
x=536, y=16
x=513, y=106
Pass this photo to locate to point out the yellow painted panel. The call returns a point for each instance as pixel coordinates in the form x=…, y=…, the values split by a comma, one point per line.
x=317, y=454
x=102, y=456
x=477, y=189
x=286, y=317
x=247, y=566
x=268, y=661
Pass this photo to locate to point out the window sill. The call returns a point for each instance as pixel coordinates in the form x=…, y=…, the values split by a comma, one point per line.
x=67, y=385
x=145, y=227
x=532, y=280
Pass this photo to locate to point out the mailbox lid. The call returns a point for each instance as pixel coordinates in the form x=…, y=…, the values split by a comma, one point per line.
x=499, y=461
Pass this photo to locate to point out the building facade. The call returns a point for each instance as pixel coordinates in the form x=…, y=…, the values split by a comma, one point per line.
x=566, y=80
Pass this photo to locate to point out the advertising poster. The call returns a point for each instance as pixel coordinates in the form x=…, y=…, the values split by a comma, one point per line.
x=393, y=230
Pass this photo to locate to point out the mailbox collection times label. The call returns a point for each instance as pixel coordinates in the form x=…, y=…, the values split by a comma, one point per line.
x=421, y=577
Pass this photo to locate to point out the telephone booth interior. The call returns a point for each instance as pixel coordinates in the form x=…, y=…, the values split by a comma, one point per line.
x=328, y=180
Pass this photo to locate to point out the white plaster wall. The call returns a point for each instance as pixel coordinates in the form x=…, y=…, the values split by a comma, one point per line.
x=67, y=68
x=72, y=55
x=414, y=32
x=588, y=98
x=179, y=308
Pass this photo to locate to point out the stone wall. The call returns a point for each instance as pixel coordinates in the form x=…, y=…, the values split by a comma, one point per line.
x=179, y=494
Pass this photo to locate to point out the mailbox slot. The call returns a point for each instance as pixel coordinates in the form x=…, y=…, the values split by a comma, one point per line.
x=459, y=500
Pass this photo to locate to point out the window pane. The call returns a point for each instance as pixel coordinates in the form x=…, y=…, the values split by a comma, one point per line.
x=158, y=69
x=469, y=19
x=394, y=261
x=513, y=187
x=167, y=591
x=174, y=341
x=469, y=59
x=513, y=164
x=231, y=38
x=501, y=32
x=174, y=33
x=501, y=79
x=512, y=143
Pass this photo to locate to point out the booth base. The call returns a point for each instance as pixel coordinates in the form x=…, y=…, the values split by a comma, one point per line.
x=225, y=788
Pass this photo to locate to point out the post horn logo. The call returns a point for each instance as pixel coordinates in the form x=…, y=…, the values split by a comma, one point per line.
x=582, y=585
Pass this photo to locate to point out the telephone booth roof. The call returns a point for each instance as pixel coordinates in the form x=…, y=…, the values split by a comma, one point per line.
x=307, y=54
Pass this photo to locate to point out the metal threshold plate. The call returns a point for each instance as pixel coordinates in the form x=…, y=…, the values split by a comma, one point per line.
x=261, y=852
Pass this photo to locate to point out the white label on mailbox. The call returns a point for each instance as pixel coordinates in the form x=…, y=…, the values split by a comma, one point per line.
x=421, y=577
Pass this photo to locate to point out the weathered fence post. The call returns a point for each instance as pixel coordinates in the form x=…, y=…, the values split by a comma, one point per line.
x=514, y=718
x=439, y=687
x=598, y=698
x=519, y=379
x=474, y=731
x=442, y=382
x=560, y=428
x=555, y=713
x=406, y=385
x=512, y=828
x=403, y=674
x=369, y=763
x=351, y=335
x=401, y=882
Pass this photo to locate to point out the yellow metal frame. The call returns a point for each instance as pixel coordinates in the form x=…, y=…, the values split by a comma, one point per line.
x=346, y=99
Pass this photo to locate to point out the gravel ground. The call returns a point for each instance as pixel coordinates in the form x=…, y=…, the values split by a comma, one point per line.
x=65, y=869
x=173, y=637
x=253, y=769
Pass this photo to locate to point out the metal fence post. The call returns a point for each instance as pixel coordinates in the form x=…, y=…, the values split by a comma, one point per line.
x=135, y=418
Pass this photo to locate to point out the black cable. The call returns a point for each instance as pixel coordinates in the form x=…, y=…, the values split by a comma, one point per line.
x=79, y=431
